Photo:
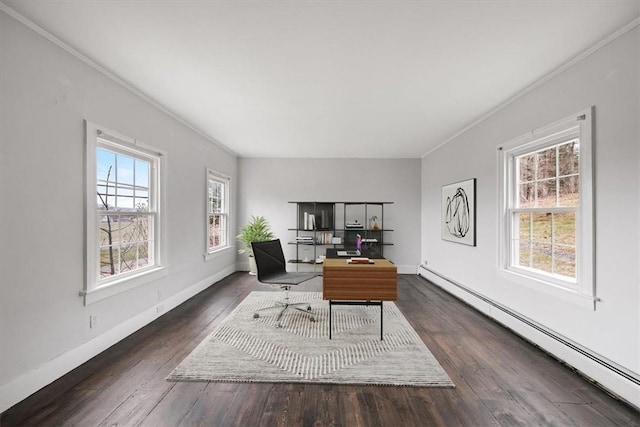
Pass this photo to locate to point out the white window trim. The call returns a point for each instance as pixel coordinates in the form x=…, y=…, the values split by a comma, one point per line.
x=226, y=180
x=95, y=289
x=583, y=292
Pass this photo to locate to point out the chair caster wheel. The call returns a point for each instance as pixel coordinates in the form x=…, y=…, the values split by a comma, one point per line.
x=313, y=319
x=279, y=326
x=256, y=315
x=308, y=308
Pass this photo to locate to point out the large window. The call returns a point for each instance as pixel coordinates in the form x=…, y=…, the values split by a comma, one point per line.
x=123, y=209
x=546, y=205
x=547, y=198
x=126, y=209
x=217, y=211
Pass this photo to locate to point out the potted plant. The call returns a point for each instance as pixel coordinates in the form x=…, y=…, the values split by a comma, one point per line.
x=256, y=230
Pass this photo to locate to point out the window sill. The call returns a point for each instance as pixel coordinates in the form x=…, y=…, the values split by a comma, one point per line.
x=123, y=285
x=570, y=295
x=217, y=253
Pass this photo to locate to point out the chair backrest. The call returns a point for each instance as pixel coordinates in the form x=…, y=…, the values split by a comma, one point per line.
x=269, y=258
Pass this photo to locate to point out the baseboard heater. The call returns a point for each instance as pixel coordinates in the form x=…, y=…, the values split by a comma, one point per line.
x=572, y=345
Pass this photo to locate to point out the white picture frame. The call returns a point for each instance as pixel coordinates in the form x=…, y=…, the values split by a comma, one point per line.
x=458, y=220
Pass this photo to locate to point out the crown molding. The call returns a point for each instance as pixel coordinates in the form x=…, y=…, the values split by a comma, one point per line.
x=590, y=51
x=53, y=39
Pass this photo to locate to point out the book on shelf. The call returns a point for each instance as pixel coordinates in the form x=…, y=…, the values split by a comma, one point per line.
x=312, y=222
x=320, y=238
x=324, y=238
x=308, y=221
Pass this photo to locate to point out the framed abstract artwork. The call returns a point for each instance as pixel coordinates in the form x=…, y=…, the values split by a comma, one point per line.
x=459, y=212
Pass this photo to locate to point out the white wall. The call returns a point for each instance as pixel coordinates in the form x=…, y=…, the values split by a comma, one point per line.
x=45, y=94
x=266, y=185
x=609, y=80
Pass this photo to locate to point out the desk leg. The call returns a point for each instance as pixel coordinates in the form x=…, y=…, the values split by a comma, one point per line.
x=329, y=319
x=381, y=316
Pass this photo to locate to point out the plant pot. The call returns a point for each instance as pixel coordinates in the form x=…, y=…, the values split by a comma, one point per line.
x=253, y=268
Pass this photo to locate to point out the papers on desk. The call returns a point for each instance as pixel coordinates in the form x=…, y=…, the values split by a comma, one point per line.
x=360, y=260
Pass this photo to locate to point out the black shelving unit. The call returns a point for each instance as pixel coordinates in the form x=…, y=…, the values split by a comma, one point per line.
x=315, y=226
x=372, y=232
x=338, y=220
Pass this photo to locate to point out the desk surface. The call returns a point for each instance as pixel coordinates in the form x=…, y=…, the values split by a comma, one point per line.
x=359, y=282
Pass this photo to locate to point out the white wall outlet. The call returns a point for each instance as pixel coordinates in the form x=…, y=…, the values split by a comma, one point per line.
x=160, y=308
x=93, y=321
x=160, y=296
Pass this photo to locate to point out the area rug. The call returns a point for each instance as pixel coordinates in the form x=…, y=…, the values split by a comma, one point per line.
x=244, y=349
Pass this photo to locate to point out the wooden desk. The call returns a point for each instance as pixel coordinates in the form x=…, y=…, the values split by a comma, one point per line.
x=359, y=284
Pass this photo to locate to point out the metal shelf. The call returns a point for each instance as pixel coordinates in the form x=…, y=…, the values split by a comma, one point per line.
x=327, y=215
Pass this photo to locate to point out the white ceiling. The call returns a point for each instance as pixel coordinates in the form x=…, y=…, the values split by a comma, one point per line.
x=342, y=78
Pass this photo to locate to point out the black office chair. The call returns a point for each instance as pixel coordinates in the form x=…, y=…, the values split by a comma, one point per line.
x=272, y=271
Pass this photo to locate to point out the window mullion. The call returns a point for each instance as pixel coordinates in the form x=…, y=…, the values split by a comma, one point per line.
x=134, y=186
x=535, y=179
x=530, y=263
x=557, y=174
x=559, y=209
x=115, y=183
x=553, y=254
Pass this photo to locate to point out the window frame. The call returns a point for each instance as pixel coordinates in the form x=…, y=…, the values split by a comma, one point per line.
x=225, y=180
x=582, y=289
x=95, y=287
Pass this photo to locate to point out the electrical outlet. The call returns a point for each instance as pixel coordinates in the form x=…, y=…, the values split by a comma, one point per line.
x=425, y=262
x=160, y=308
x=93, y=321
x=160, y=298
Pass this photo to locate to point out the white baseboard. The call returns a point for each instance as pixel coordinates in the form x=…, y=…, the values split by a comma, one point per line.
x=615, y=383
x=22, y=387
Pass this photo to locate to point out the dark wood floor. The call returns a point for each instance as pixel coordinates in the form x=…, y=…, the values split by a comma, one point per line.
x=500, y=379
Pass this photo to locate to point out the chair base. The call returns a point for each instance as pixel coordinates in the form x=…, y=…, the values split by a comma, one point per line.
x=284, y=306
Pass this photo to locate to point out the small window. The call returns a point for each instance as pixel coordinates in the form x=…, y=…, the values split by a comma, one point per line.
x=123, y=213
x=546, y=205
x=217, y=211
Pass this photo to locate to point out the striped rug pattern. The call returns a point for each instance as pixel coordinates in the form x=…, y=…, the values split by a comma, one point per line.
x=244, y=349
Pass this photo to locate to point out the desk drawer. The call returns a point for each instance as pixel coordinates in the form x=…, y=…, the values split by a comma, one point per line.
x=373, y=286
